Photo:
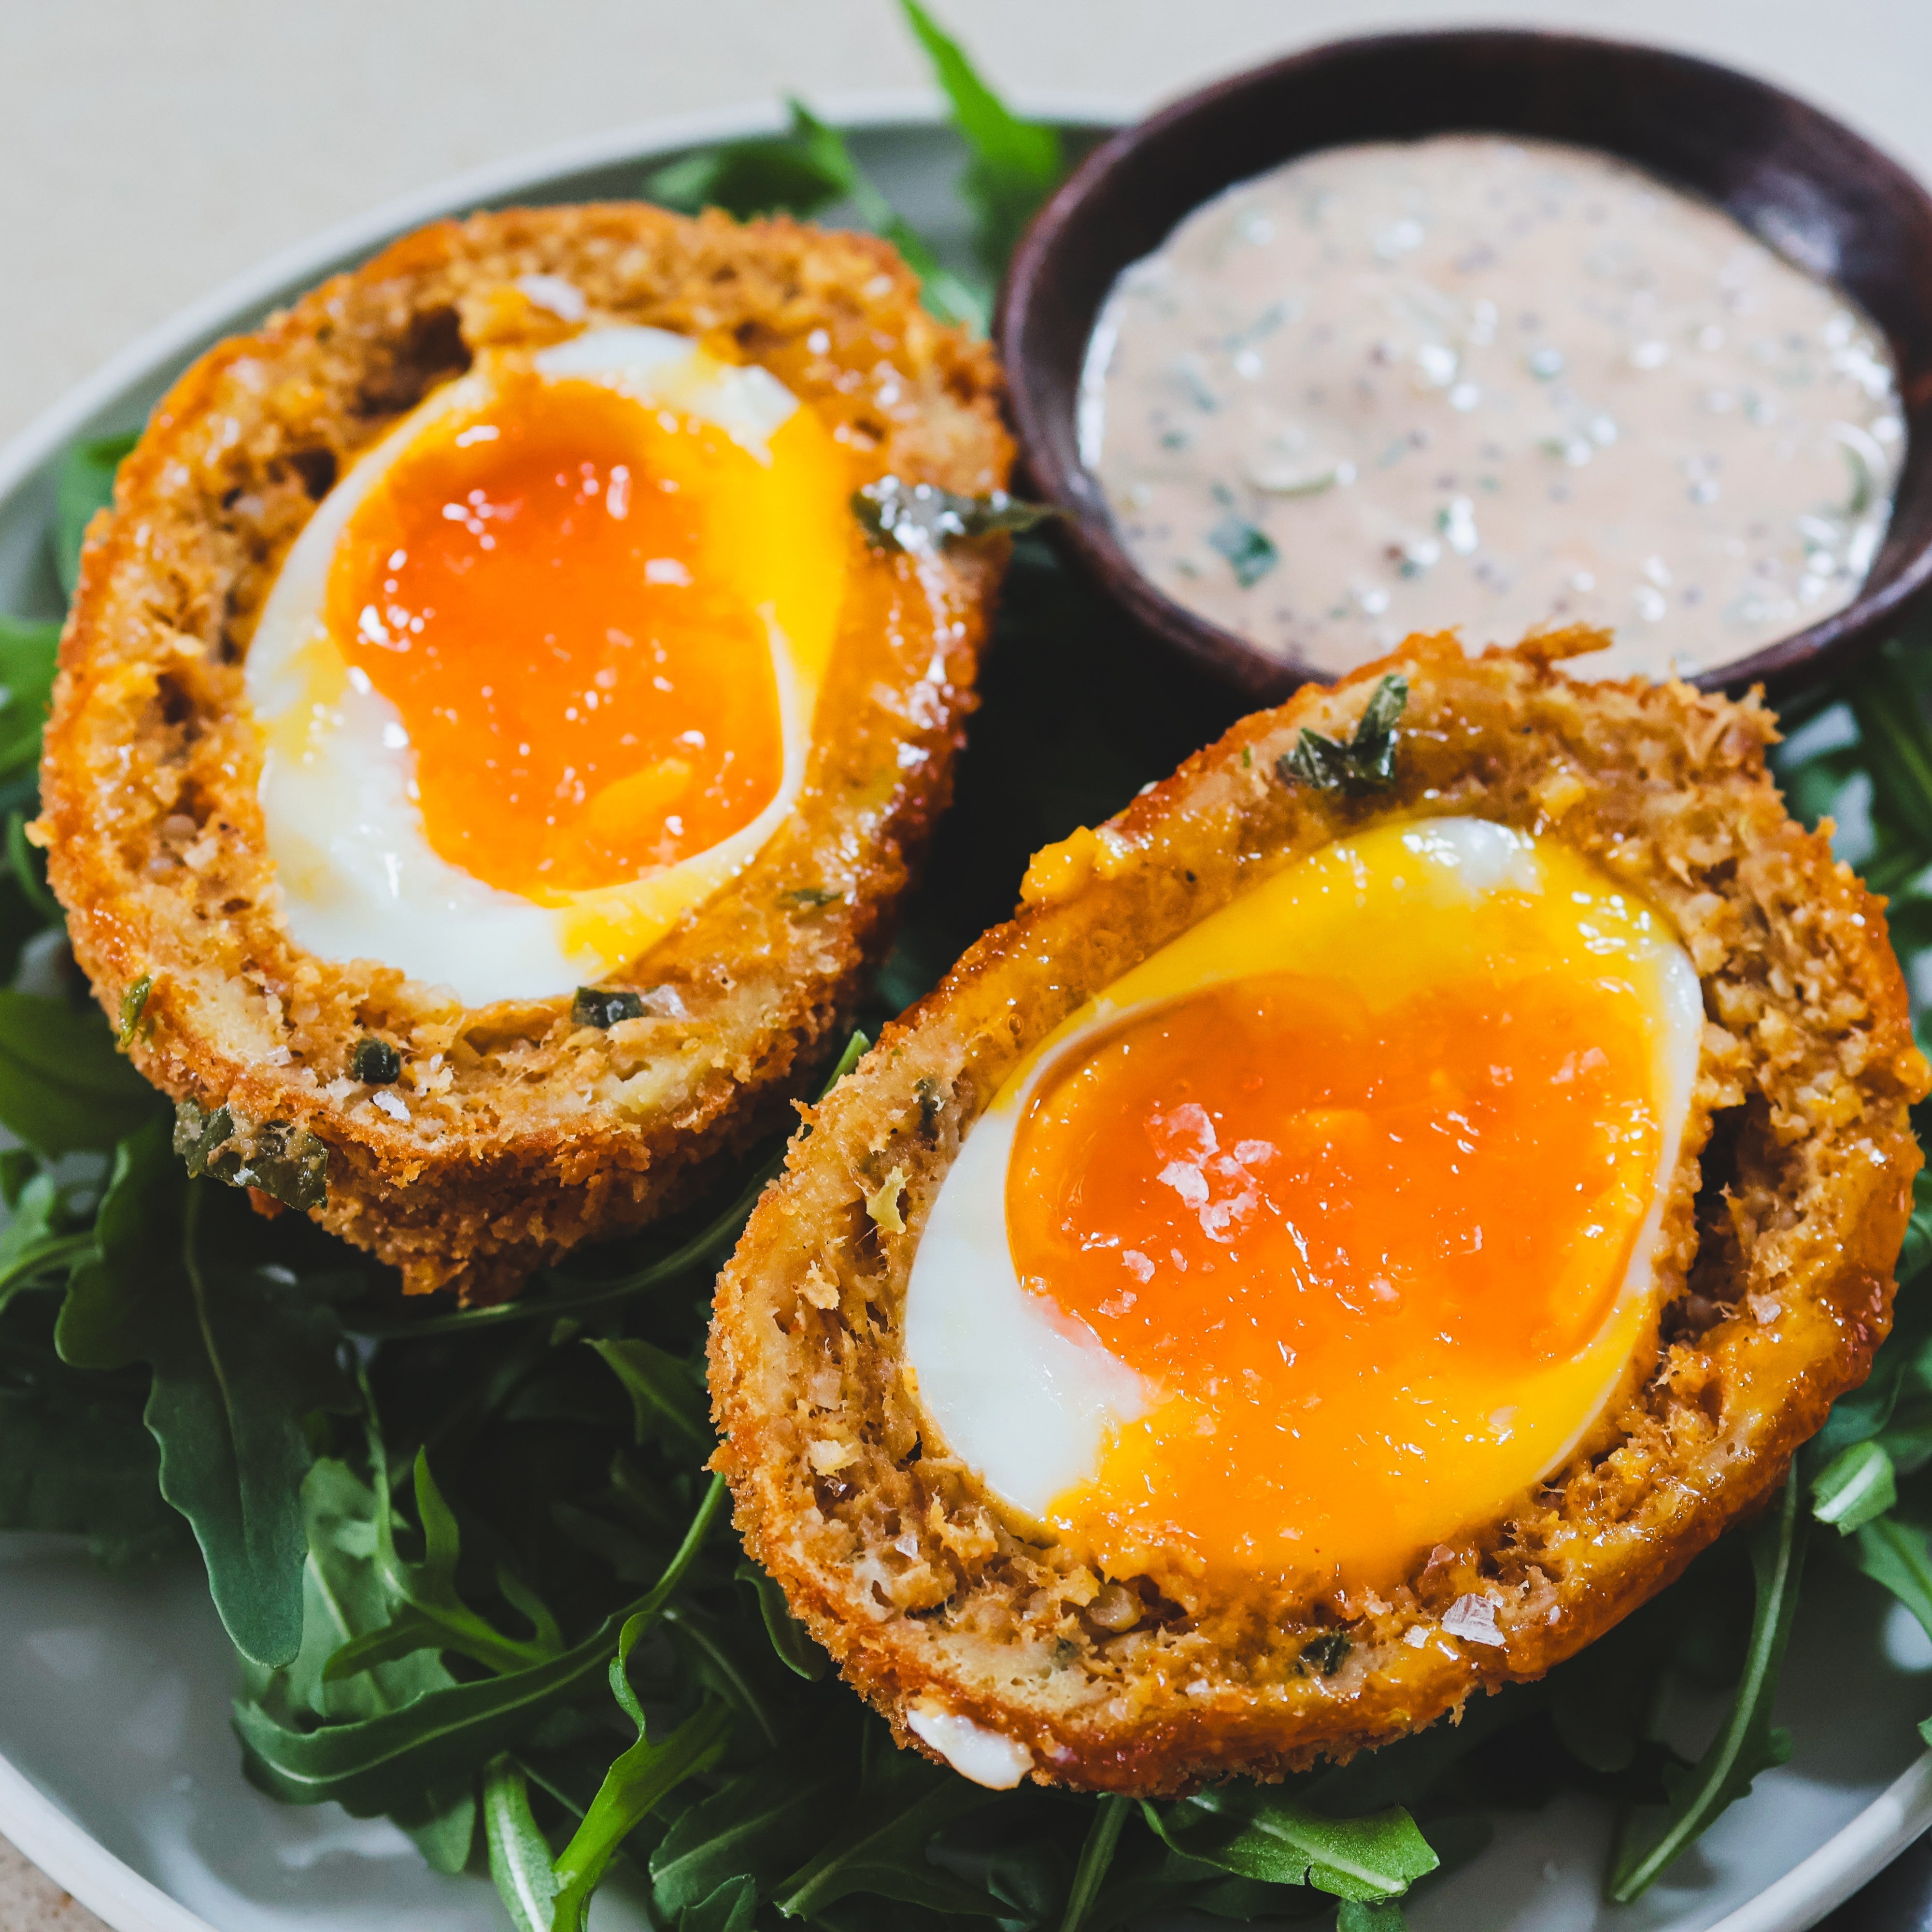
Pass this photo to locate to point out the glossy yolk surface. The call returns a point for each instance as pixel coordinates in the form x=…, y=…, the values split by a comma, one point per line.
x=1363, y=1241
x=545, y=591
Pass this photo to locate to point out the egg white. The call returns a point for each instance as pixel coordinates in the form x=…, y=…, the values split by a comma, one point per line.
x=357, y=878
x=1028, y=1396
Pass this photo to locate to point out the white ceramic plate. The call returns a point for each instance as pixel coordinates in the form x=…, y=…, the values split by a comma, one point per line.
x=119, y=1773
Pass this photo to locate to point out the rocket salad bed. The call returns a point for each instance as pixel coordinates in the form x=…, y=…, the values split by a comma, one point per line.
x=476, y=1574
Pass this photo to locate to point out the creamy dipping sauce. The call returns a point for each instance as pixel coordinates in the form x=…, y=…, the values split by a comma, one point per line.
x=1493, y=384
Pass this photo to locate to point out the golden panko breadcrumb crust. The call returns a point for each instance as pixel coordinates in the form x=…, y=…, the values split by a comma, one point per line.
x=526, y=1134
x=1781, y=1232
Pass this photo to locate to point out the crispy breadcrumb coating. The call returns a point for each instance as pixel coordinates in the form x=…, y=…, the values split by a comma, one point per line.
x=1775, y=1270
x=523, y=1134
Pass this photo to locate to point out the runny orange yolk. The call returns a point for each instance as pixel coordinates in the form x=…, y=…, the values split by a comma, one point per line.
x=588, y=697
x=1363, y=1234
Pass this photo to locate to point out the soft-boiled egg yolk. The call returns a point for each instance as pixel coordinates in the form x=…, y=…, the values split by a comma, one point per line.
x=590, y=697
x=1329, y=1229
x=538, y=677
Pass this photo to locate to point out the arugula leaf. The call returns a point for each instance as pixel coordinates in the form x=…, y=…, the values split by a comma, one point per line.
x=921, y=518
x=242, y=1352
x=801, y=171
x=86, y=485
x=74, y=1459
x=368, y=1767
x=429, y=1614
x=635, y=1785
x=1111, y=1814
x=1379, y=1915
x=28, y=657
x=1893, y=1553
x=779, y=176
x=1366, y=762
x=1015, y=164
x=733, y=1907
x=760, y=1826
x=63, y=1087
x=790, y=1641
x=520, y=1855
x=1258, y=1833
x=1747, y=1743
x=666, y=1396
x=901, y=1802
x=949, y=298
x=1858, y=1485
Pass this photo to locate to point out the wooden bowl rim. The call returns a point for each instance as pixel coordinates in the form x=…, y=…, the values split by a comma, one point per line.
x=1085, y=529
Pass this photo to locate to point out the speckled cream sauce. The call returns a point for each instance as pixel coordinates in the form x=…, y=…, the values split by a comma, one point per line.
x=1493, y=384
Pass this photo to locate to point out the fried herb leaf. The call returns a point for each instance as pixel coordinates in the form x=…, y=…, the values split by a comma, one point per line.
x=921, y=516
x=1015, y=164
x=242, y=1352
x=1747, y=1743
x=287, y=1162
x=86, y=485
x=63, y=1087
x=1366, y=762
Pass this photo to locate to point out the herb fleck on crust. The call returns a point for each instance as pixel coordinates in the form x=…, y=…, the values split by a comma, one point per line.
x=1781, y=1231
x=511, y=1132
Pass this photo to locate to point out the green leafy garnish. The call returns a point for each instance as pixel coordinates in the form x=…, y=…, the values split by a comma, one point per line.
x=63, y=1086
x=1016, y=164
x=1748, y=1742
x=802, y=172
x=1261, y=1833
x=918, y=516
x=520, y=1856
x=86, y=485
x=242, y=1353
x=1858, y=1485
x=634, y=1786
x=1366, y=762
x=28, y=656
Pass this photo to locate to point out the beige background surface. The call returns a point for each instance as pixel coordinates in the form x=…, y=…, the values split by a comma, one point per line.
x=151, y=148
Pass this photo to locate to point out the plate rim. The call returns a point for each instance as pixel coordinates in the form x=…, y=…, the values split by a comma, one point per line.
x=45, y=1833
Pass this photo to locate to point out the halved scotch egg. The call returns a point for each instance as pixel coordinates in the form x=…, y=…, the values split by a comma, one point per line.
x=489, y=750
x=1392, y=1197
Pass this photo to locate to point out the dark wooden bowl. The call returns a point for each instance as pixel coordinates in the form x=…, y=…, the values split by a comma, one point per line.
x=1821, y=196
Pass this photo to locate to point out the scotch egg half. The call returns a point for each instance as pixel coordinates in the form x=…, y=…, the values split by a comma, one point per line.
x=538, y=677
x=1328, y=1229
